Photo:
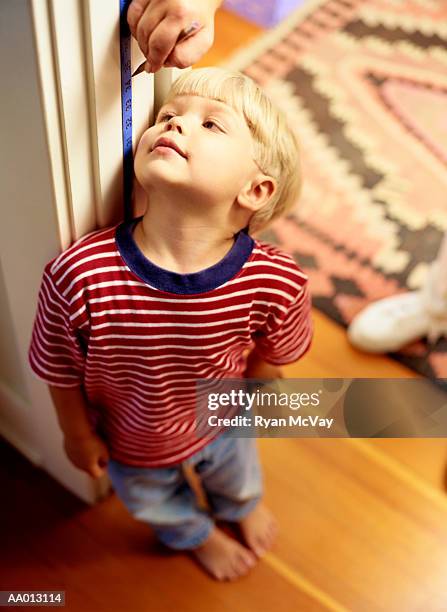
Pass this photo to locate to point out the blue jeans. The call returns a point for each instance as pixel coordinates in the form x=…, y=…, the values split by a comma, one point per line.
x=230, y=474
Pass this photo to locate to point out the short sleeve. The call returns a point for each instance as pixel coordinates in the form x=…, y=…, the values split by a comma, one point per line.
x=55, y=354
x=290, y=336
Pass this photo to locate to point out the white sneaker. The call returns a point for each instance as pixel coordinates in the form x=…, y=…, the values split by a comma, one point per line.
x=389, y=324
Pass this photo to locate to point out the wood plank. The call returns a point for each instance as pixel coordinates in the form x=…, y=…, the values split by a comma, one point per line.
x=354, y=529
x=426, y=458
x=105, y=560
x=332, y=356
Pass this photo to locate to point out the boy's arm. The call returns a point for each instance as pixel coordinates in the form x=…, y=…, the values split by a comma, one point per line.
x=56, y=355
x=287, y=340
x=257, y=367
x=71, y=409
x=84, y=447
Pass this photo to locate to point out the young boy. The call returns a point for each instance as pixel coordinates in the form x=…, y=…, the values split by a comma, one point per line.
x=130, y=317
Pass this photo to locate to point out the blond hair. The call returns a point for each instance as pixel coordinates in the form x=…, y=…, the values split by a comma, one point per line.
x=276, y=149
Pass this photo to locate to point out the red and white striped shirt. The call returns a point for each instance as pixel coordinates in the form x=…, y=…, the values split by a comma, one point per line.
x=137, y=337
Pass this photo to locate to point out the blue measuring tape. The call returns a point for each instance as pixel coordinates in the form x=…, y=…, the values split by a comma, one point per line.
x=126, y=108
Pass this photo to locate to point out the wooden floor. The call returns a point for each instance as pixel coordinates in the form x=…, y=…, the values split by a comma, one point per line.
x=363, y=522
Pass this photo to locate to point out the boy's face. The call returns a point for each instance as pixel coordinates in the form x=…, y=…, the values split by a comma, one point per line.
x=216, y=146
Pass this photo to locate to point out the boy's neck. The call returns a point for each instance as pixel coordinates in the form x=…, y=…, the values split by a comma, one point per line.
x=179, y=244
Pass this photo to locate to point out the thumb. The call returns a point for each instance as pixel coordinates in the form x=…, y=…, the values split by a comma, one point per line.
x=103, y=458
x=95, y=471
x=98, y=469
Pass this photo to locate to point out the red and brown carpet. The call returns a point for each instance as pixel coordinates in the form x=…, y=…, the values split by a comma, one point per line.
x=364, y=83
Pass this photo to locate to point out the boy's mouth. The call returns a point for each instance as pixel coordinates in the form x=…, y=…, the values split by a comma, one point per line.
x=166, y=142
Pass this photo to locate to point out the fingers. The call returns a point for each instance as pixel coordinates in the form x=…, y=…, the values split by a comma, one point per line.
x=98, y=466
x=134, y=13
x=144, y=29
x=158, y=24
x=95, y=471
x=189, y=51
x=162, y=42
x=144, y=17
x=98, y=469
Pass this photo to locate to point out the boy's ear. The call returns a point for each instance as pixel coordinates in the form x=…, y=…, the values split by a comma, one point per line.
x=257, y=192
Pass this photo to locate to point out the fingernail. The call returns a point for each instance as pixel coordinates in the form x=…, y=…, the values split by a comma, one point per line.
x=148, y=67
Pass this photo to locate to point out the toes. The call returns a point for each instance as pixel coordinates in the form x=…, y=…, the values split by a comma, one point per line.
x=271, y=535
x=232, y=574
x=238, y=568
x=237, y=572
x=257, y=546
x=225, y=573
x=251, y=561
x=243, y=564
x=248, y=560
x=262, y=547
x=263, y=542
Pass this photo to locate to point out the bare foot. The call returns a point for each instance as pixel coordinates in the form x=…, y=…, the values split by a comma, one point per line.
x=259, y=529
x=223, y=557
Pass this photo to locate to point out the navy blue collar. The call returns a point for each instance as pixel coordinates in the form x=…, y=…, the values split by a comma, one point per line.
x=173, y=282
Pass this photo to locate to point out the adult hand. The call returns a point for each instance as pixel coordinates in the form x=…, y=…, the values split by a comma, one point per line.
x=157, y=24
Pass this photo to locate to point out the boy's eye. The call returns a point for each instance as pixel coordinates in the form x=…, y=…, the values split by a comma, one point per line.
x=164, y=116
x=212, y=123
x=167, y=116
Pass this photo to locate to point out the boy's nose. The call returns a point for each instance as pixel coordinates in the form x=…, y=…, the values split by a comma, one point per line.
x=174, y=124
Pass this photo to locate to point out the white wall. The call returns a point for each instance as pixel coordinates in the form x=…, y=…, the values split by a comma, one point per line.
x=11, y=373
x=24, y=204
x=29, y=237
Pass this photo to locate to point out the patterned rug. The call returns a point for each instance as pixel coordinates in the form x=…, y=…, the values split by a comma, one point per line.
x=364, y=82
